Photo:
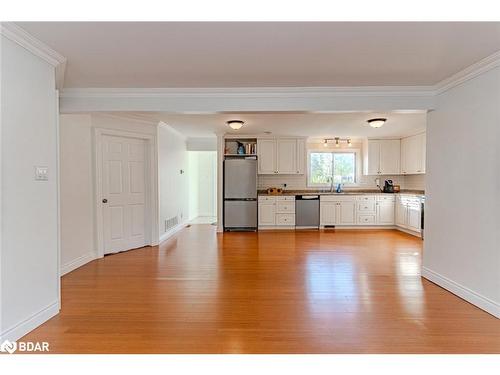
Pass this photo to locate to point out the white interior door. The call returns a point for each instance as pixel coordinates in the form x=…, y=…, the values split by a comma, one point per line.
x=123, y=193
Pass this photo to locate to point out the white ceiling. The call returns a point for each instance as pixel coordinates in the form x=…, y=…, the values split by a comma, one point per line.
x=167, y=54
x=315, y=125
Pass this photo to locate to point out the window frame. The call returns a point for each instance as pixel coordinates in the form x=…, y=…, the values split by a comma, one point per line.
x=357, y=164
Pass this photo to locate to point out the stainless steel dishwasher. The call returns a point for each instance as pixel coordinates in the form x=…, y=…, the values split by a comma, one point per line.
x=307, y=211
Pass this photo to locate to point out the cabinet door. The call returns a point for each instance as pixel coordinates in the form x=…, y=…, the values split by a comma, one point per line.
x=390, y=156
x=412, y=152
x=401, y=213
x=422, y=152
x=287, y=155
x=385, y=213
x=346, y=213
x=373, y=157
x=414, y=217
x=327, y=213
x=267, y=213
x=301, y=155
x=404, y=152
x=266, y=153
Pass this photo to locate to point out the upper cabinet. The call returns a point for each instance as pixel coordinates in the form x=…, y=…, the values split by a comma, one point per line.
x=382, y=156
x=281, y=155
x=394, y=156
x=413, y=154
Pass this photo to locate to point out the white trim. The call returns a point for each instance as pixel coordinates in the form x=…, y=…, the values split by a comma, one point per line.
x=461, y=291
x=172, y=231
x=468, y=73
x=19, y=330
x=18, y=35
x=77, y=263
x=152, y=185
x=408, y=231
x=355, y=227
x=58, y=193
x=249, y=92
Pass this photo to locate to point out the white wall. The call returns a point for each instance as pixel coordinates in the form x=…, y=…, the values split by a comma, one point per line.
x=78, y=237
x=29, y=272
x=462, y=247
x=172, y=158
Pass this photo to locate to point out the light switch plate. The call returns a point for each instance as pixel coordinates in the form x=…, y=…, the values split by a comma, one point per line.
x=41, y=173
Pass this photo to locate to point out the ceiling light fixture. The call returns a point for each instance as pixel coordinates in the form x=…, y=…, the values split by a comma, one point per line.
x=235, y=124
x=376, y=122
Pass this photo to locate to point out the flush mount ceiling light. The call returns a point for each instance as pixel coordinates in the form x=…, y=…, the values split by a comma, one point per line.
x=376, y=122
x=235, y=124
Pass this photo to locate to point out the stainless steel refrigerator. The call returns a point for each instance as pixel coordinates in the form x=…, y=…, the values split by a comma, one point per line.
x=240, y=194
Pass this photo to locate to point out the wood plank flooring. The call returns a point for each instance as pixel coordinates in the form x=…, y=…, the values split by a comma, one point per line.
x=266, y=292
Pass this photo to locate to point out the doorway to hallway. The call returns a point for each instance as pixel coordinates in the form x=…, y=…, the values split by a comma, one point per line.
x=202, y=171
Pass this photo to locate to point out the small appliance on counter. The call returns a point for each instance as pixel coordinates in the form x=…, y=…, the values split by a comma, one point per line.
x=397, y=188
x=274, y=191
x=388, y=186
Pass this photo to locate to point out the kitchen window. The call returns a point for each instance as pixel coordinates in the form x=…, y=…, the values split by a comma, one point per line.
x=322, y=163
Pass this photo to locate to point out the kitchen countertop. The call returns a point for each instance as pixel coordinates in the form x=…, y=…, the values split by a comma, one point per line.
x=345, y=192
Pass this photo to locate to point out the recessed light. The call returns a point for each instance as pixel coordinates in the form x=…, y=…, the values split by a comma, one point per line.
x=376, y=122
x=235, y=124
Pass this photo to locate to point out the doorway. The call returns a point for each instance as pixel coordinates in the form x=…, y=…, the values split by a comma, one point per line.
x=202, y=170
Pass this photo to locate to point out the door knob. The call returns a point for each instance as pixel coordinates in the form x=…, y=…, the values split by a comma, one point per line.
x=104, y=200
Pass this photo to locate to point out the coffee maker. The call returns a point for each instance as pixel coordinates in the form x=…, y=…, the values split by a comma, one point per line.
x=388, y=186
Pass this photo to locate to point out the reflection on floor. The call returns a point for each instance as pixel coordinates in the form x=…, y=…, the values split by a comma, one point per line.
x=204, y=220
x=266, y=292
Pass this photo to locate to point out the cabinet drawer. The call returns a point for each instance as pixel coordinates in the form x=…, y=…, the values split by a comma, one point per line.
x=337, y=198
x=288, y=198
x=285, y=219
x=366, y=219
x=266, y=198
x=285, y=207
x=366, y=206
x=367, y=198
x=386, y=198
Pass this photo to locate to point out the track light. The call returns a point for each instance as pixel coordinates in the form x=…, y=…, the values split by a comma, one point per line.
x=337, y=143
x=349, y=143
x=325, y=143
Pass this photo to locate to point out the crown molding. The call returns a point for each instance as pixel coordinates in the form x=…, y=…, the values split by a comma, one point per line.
x=18, y=35
x=472, y=71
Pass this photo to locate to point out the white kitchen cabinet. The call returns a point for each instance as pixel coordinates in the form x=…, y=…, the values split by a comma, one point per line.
x=267, y=214
x=266, y=156
x=276, y=212
x=327, y=213
x=382, y=157
x=413, y=151
x=335, y=210
x=408, y=212
x=385, y=213
x=286, y=155
x=281, y=155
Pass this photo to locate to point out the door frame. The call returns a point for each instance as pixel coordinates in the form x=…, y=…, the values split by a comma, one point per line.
x=152, y=199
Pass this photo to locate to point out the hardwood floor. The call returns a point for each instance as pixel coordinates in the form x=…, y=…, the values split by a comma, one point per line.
x=271, y=292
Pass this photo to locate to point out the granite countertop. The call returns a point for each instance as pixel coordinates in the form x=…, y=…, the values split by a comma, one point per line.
x=345, y=192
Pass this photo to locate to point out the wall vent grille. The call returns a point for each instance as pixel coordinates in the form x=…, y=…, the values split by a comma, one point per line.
x=170, y=223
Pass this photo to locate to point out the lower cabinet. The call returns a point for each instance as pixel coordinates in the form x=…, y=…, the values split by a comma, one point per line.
x=276, y=212
x=357, y=210
x=408, y=213
x=335, y=210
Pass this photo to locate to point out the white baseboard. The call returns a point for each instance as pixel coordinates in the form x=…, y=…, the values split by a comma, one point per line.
x=172, y=231
x=76, y=263
x=465, y=293
x=28, y=325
